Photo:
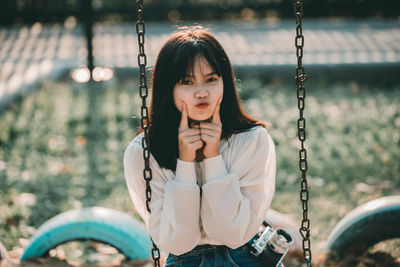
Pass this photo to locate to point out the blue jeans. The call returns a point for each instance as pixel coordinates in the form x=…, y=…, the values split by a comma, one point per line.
x=215, y=256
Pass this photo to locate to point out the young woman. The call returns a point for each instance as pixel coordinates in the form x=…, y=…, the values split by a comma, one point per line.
x=213, y=166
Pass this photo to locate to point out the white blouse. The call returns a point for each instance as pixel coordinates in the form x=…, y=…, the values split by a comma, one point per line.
x=237, y=189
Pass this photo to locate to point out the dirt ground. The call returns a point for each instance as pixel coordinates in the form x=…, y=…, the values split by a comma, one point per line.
x=54, y=262
x=378, y=259
x=371, y=258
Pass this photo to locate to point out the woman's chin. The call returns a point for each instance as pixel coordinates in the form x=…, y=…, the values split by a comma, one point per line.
x=201, y=118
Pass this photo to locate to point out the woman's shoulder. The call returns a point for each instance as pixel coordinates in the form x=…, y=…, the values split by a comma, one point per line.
x=251, y=138
x=251, y=135
x=135, y=146
x=134, y=159
x=246, y=145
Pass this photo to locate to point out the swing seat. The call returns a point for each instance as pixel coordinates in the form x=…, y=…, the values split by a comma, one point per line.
x=95, y=223
x=368, y=224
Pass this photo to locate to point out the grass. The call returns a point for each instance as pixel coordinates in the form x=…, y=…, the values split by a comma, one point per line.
x=353, y=147
x=62, y=148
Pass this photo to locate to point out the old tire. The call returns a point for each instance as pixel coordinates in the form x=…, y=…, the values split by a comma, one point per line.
x=368, y=224
x=96, y=223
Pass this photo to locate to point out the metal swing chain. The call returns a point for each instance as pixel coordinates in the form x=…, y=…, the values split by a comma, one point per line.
x=301, y=129
x=301, y=124
x=145, y=120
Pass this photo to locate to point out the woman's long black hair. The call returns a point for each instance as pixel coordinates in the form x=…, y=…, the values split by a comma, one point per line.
x=174, y=62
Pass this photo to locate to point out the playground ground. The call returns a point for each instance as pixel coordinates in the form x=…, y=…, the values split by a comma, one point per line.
x=63, y=147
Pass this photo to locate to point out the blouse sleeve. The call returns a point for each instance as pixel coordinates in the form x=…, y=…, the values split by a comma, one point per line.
x=173, y=222
x=235, y=201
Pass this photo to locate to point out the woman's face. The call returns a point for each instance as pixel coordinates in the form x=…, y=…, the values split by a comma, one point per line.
x=200, y=90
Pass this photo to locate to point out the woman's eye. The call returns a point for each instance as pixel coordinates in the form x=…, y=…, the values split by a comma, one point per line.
x=186, y=82
x=212, y=79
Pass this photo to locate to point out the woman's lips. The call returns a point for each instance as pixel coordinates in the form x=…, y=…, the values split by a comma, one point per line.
x=202, y=105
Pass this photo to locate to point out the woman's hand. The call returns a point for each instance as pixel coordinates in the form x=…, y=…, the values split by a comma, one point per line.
x=189, y=139
x=210, y=133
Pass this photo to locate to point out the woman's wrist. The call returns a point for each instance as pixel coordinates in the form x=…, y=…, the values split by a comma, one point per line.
x=211, y=156
x=185, y=160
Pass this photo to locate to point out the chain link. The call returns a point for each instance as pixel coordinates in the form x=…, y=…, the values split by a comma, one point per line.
x=301, y=129
x=145, y=120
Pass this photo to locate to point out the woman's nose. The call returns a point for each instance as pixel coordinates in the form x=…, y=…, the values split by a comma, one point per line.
x=201, y=91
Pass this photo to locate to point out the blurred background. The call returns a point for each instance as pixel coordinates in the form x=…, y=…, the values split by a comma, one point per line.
x=69, y=104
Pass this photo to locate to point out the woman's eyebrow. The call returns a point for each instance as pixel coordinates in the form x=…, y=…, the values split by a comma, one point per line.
x=205, y=75
x=211, y=73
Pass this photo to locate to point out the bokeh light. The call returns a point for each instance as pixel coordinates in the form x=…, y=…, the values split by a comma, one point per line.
x=81, y=75
x=102, y=74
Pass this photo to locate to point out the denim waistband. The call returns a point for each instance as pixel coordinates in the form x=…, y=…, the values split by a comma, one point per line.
x=208, y=247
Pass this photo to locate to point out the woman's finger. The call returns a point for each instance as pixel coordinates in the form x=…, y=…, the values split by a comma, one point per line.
x=216, y=116
x=184, y=118
x=209, y=125
x=209, y=132
x=191, y=139
x=189, y=132
x=197, y=144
